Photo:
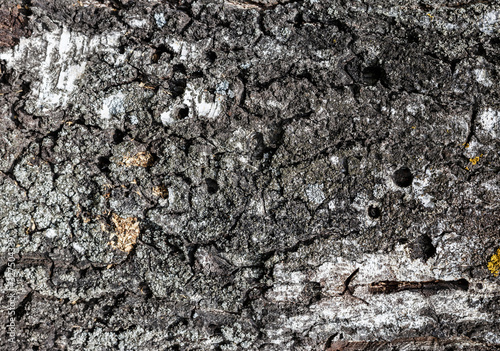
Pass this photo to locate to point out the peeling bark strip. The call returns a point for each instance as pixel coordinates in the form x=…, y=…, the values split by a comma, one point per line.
x=12, y=27
x=388, y=286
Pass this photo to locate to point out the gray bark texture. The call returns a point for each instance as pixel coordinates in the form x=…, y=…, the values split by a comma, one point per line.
x=259, y=175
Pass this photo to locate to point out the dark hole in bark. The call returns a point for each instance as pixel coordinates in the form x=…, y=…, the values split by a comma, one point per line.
x=212, y=56
x=371, y=75
x=422, y=248
x=299, y=20
x=158, y=52
x=144, y=287
x=177, y=87
x=212, y=186
x=480, y=50
x=197, y=74
x=183, y=112
x=103, y=163
x=118, y=136
x=403, y=177
x=413, y=37
x=495, y=41
x=180, y=68
x=256, y=144
x=374, y=211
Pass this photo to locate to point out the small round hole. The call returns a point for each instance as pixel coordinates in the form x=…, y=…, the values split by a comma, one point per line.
x=212, y=186
x=119, y=136
x=212, y=56
x=374, y=211
x=103, y=163
x=183, y=112
x=371, y=75
x=403, y=177
x=422, y=248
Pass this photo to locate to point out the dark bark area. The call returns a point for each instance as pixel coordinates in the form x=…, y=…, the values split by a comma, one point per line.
x=263, y=175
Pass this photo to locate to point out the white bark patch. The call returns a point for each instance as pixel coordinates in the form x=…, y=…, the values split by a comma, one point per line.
x=198, y=101
x=79, y=248
x=315, y=193
x=59, y=59
x=490, y=121
x=186, y=50
x=490, y=22
x=482, y=77
x=385, y=311
x=208, y=108
x=419, y=186
x=113, y=105
x=137, y=23
x=167, y=118
x=50, y=233
x=160, y=20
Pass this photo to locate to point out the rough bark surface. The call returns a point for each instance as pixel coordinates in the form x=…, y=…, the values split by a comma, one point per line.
x=262, y=175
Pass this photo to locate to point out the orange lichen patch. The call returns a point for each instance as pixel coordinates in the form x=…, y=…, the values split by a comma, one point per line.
x=494, y=264
x=126, y=233
x=142, y=159
x=160, y=191
x=475, y=159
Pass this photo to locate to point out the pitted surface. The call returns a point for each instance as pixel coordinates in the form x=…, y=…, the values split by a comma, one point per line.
x=267, y=150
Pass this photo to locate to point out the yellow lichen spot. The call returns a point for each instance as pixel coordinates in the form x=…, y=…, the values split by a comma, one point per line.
x=160, y=191
x=494, y=264
x=413, y=127
x=142, y=159
x=126, y=233
x=475, y=160
x=466, y=145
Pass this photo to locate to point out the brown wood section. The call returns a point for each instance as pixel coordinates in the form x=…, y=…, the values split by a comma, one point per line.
x=12, y=26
